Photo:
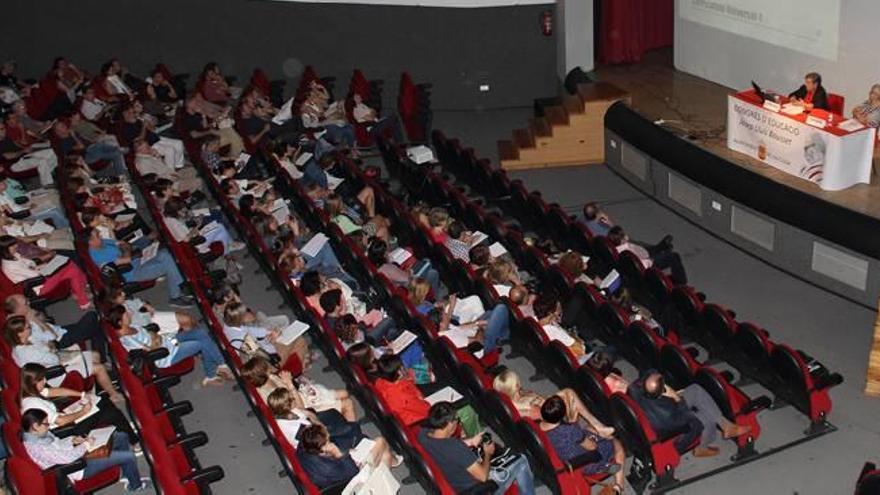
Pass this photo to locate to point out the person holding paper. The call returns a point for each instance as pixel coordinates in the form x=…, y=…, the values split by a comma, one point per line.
x=573, y=265
x=265, y=378
x=378, y=254
x=18, y=334
x=184, y=227
x=406, y=400
x=241, y=323
x=548, y=310
x=375, y=226
x=291, y=415
x=811, y=94
x=326, y=464
x=132, y=128
x=26, y=158
x=199, y=126
x=86, y=329
x=182, y=345
x=143, y=313
x=122, y=227
x=379, y=328
x=18, y=269
x=37, y=240
x=493, y=326
x=149, y=161
x=93, y=152
x=84, y=410
x=350, y=332
x=47, y=450
x=105, y=251
x=459, y=241
x=14, y=199
x=160, y=93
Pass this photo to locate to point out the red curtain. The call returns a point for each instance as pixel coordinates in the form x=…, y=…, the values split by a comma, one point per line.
x=629, y=28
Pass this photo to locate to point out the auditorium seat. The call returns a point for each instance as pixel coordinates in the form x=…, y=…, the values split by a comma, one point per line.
x=869, y=480
x=836, y=103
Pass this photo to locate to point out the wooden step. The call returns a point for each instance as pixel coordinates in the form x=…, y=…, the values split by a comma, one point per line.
x=573, y=104
x=523, y=138
x=872, y=385
x=556, y=115
x=541, y=105
x=507, y=150
x=540, y=127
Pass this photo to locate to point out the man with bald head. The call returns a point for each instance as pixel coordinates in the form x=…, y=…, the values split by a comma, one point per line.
x=87, y=328
x=691, y=412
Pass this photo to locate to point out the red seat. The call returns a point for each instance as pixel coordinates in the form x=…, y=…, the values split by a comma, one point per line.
x=835, y=103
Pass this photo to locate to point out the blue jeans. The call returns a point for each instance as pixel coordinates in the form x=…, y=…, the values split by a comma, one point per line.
x=59, y=220
x=120, y=455
x=197, y=340
x=314, y=174
x=497, y=327
x=342, y=135
x=161, y=265
x=518, y=472
x=106, y=151
x=385, y=330
x=326, y=263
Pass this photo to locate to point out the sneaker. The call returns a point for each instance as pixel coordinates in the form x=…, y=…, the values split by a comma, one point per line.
x=182, y=302
x=146, y=485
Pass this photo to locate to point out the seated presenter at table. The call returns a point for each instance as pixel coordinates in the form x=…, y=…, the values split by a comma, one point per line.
x=811, y=93
x=868, y=113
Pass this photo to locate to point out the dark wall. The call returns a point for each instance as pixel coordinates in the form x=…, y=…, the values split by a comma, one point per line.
x=455, y=49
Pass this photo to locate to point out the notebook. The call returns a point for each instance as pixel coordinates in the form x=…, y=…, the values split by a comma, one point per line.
x=446, y=394
x=53, y=265
x=402, y=342
x=100, y=436
x=314, y=245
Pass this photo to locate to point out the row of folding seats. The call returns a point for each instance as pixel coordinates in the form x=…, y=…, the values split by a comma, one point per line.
x=402, y=438
x=414, y=108
x=558, y=362
x=790, y=374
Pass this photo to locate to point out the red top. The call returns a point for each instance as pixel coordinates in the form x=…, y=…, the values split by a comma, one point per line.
x=404, y=399
x=808, y=98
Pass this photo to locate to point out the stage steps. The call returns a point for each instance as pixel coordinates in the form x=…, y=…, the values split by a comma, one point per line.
x=568, y=130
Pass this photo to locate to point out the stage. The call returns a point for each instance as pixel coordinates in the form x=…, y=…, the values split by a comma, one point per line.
x=695, y=107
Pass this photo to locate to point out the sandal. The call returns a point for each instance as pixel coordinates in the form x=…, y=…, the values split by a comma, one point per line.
x=215, y=381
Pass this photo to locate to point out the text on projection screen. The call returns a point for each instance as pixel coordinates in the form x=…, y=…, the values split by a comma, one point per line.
x=807, y=26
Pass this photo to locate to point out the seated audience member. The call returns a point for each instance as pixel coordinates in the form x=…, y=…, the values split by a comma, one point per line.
x=548, y=311
x=106, y=251
x=362, y=355
x=18, y=334
x=149, y=161
x=461, y=466
x=479, y=258
x=603, y=363
x=596, y=219
x=438, y=218
x=160, y=94
x=91, y=107
x=200, y=126
x=292, y=416
x=528, y=403
x=24, y=129
x=241, y=326
x=374, y=226
x=661, y=255
x=186, y=227
x=180, y=345
x=214, y=87
x=224, y=294
x=112, y=86
x=691, y=412
x=378, y=328
x=32, y=205
x=23, y=159
x=17, y=269
x=406, y=399
x=350, y=332
x=326, y=464
x=571, y=440
x=377, y=253
x=260, y=374
x=523, y=300
x=503, y=276
x=493, y=325
x=458, y=241
x=77, y=413
x=868, y=113
x=86, y=329
x=143, y=313
x=376, y=126
x=47, y=450
x=572, y=264
x=811, y=94
x=315, y=112
x=132, y=128
x=93, y=152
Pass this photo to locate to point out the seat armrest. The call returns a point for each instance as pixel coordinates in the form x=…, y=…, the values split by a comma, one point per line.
x=166, y=382
x=21, y=200
x=70, y=468
x=30, y=283
x=827, y=381
x=192, y=440
x=123, y=267
x=757, y=404
x=19, y=215
x=581, y=461
x=55, y=372
x=197, y=240
x=156, y=354
x=178, y=409
x=205, y=476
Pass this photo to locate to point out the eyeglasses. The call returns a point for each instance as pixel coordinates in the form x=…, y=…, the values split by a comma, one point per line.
x=44, y=423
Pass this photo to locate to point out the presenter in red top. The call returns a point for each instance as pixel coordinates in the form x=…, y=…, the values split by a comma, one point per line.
x=811, y=94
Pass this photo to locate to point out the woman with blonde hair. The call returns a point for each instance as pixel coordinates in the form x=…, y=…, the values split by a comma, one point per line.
x=292, y=416
x=528, y=403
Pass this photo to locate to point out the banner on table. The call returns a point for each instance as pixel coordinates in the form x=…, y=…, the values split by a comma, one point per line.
x=777, y=140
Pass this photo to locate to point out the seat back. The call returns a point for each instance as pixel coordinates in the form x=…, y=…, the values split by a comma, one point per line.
x=594, y=392
x=644, y=345
x=836, y=103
